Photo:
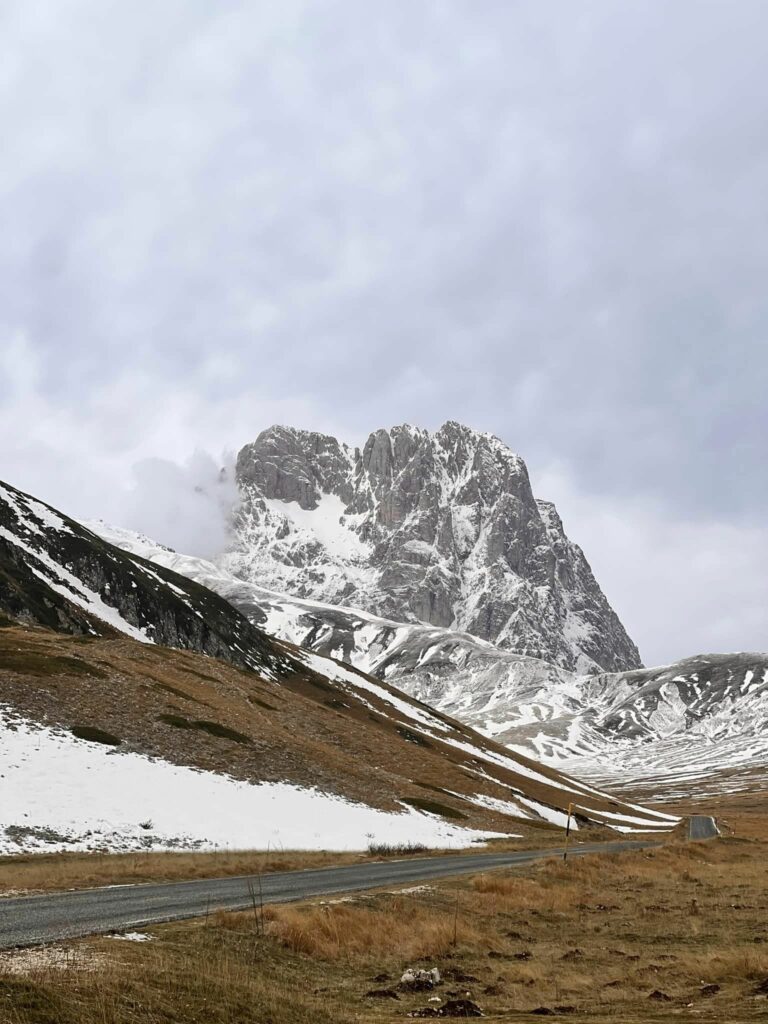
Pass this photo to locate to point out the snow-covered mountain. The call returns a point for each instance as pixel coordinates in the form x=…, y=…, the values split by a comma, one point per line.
x=698, y=726
x=438, y=528
x=110, y=737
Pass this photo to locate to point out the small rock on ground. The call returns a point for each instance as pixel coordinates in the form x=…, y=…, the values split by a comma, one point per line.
x=453, y=1008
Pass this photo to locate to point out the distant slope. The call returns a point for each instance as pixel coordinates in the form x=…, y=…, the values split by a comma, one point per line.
x=258, y=746
x=698, y=726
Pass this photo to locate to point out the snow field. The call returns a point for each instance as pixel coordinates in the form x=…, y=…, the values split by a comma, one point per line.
x=62, y=793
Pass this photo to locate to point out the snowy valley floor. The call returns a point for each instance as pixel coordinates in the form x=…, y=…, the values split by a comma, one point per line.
x=681, y=931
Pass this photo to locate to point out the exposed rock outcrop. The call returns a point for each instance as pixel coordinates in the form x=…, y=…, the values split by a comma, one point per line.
x=441, y=528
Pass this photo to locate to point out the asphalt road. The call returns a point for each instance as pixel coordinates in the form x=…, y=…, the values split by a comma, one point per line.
x=701, y=826
x=34, y=920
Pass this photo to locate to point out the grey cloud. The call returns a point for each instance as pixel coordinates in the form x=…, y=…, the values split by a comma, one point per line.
x=541, y=219
x=683, y=584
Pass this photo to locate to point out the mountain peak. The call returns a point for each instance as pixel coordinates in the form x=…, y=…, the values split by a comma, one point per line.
x=441, y=528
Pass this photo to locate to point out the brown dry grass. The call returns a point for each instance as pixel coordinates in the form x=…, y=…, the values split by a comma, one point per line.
x=353, y=928
x=51, y=872
x=210, y=975
x=599, y=934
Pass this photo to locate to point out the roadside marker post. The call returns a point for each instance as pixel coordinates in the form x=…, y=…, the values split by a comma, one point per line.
x=567, y=832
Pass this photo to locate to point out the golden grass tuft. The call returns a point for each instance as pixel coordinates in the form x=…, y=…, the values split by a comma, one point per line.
x=340, y=930
x=724, y=966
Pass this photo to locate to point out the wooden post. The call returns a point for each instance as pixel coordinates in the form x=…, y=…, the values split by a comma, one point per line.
x=567, y=832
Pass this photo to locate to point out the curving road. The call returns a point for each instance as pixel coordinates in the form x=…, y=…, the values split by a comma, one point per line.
x=34, y=920
x=702, y=826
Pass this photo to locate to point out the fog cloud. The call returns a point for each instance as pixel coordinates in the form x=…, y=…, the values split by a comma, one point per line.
x=186, y=507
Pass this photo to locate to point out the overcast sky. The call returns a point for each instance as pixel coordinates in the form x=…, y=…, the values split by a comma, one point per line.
x=545, y=220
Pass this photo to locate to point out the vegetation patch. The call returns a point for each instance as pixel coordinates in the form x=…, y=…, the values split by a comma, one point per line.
x=30, y=1000
x=432, y=807
x=319, y=683
x=176, y=691
x=177, y=721
x=395, y=849
x=34, y=663
x=413, y=737
x=95, y=735
x=222, y=731
x=20, y=833
x=262, y=703
x=428, y=785
x=212, y=728
x=200, y=675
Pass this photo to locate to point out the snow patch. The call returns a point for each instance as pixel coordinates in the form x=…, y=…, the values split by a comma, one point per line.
x=61, y=793
x=325, y=523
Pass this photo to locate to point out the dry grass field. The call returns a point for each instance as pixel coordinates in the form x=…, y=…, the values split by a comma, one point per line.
x=60, y=871
x=679, y=932
x=52, y=872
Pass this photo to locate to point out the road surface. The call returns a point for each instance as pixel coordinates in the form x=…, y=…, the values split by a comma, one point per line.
x=701, y=826
x=34, y=920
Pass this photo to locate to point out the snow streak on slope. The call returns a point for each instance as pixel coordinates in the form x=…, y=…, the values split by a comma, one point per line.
x=56, y=573
x=699, y=726
x=33, y=521
x=432, y=725
x=62, y=793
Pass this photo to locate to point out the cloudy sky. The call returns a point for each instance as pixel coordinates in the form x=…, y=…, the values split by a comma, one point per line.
x=546, y=220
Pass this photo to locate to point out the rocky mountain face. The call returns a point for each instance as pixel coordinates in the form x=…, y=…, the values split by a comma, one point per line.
x=417, y=527
x=693, y=728
x=56, y=573
x=696, y=727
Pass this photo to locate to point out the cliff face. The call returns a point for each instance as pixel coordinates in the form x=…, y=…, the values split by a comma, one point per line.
x=441, y=528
